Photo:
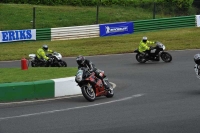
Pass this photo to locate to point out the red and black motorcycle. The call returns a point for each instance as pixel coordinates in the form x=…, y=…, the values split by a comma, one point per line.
x=91, y=86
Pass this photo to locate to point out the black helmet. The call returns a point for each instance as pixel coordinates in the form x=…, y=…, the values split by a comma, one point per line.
x=144, y=39
x=197, y=59
x=80, y=60
x=45, y=47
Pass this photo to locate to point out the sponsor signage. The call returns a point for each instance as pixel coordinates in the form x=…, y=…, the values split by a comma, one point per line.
x=198, y=20
x=17, y=35
x=116, y=29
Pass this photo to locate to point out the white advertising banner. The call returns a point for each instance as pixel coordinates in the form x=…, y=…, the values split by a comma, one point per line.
x=17, y=35
x=198, y=20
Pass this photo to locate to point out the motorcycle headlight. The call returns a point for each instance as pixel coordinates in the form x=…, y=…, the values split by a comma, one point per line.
x=163, y=47
x=78, y=78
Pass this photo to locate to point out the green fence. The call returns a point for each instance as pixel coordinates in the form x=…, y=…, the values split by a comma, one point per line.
x=164, y=23
x=43, y=34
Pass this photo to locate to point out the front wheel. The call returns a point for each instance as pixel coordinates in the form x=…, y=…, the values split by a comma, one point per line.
x=88, y=92
x=140, y=58
x=166, y=57
x=63, y=64
x=110, y=93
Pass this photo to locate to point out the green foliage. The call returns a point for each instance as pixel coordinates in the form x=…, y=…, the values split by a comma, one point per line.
x=178, y=5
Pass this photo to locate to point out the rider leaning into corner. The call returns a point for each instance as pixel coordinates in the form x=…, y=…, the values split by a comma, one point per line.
x=143, y=46
x=82, y=62
x=197, y=65
x=41, y=54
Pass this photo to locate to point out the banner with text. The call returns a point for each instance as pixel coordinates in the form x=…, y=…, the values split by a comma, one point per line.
x=116, y=28
x=198, y=20
x=17, y=35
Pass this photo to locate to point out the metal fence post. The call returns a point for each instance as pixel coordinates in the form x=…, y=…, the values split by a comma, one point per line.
x=154, y=10
x=97, y=14
x=33, y=17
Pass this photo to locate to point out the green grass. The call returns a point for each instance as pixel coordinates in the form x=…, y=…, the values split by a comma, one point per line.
x=174, y=39
x=34, y=74
x=19, y=16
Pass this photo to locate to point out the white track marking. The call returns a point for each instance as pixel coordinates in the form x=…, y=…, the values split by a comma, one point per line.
x=68, y=109
x=50, y=99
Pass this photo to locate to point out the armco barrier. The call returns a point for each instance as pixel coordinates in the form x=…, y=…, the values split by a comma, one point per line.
x=164, y=23
x=22, y=91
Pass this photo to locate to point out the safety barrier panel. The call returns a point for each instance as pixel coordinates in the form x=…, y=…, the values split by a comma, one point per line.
x=74, y=32
x=164, y=23
x=89, y=31
x=22, y=91
x=198, y=20
x=43, y=34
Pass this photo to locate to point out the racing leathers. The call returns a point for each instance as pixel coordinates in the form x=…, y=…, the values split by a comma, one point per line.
x=88, y=64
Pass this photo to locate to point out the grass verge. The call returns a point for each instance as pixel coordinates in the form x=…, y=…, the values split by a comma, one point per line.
x=19, y=16
x=174, y=39
x=34, y=74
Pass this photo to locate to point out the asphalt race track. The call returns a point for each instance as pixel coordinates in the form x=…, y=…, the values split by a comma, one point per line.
x=155, y=97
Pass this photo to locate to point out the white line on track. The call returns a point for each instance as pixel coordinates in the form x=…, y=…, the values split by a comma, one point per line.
x=68, y=109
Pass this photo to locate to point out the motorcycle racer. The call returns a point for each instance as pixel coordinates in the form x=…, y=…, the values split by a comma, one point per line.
x=197, y=65
x=82, y=62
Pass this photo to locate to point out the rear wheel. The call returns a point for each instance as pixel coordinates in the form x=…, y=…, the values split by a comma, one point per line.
x=88, y=92
x=140, y=58
x=166, y=57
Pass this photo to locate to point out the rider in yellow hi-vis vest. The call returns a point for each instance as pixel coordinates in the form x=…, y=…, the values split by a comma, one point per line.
x=41, y=52
x=143, y=46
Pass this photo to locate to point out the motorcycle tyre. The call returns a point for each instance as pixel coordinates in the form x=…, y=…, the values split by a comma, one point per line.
x=33, y=64
x=110, y=93
x=164, y=54
x=64, y=64
x=139, y=60
x=86, y=95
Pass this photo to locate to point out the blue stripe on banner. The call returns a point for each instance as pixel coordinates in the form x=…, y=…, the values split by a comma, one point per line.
x=113, y=29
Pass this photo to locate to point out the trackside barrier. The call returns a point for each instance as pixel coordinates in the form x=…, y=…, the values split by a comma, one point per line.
x=74, y=32
x=198, y=20
x=90, y=31
x=43, y=34
x=21, y=91
x=164, y=23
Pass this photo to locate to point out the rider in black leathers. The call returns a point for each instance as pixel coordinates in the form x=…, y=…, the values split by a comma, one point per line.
x=82, y=62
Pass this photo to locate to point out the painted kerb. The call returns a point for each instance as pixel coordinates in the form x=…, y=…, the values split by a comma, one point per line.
x=22, y=91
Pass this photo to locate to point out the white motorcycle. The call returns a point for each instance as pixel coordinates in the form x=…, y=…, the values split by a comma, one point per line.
x=56, y=61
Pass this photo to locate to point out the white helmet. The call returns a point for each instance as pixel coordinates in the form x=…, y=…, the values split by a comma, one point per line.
x=45, y=47
x=144, y=39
